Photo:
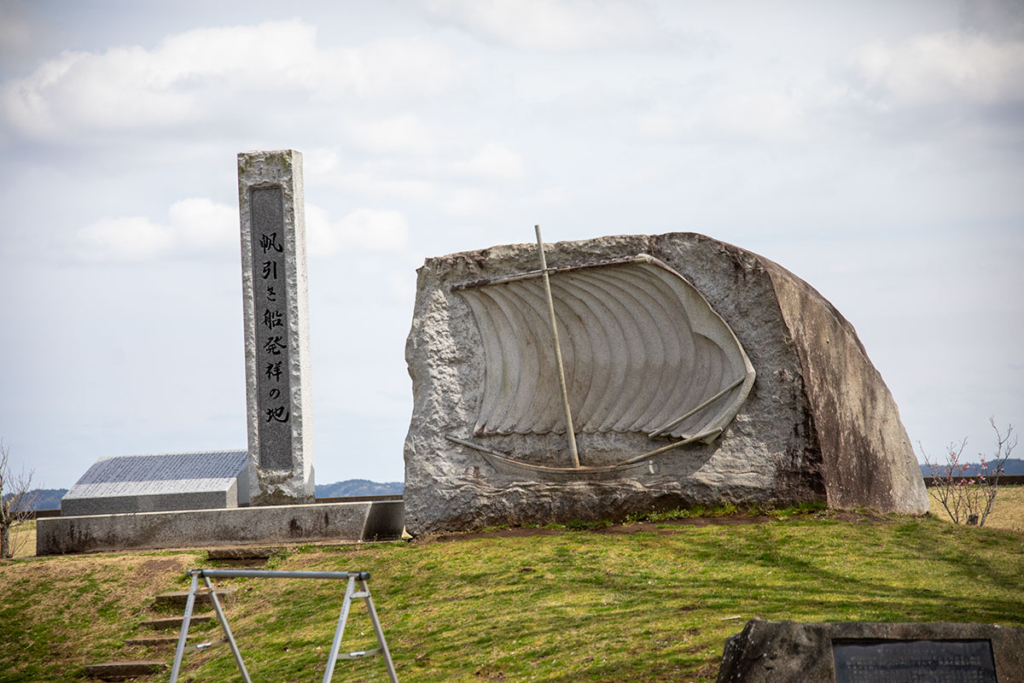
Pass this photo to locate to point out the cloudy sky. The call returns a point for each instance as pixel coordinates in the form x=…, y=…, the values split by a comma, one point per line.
x=874, y=148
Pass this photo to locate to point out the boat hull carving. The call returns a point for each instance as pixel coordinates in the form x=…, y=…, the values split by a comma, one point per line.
x=643, y=352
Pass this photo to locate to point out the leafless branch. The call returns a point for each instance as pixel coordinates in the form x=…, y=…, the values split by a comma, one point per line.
x=15, y=500
x=969, y=499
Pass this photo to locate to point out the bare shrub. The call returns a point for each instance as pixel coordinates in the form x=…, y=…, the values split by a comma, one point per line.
x=15, y=501
x=968, y=499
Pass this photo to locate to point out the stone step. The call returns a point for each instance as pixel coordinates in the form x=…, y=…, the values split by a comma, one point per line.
x=174, y=622
x=121, y=670
x=249, y=563
x=179, y=598
x=151, y=641
x=246, y=553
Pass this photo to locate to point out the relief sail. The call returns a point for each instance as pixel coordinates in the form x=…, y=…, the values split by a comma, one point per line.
x=642, y=350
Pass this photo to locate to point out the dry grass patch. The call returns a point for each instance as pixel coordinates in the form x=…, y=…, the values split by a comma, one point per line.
x=59, y=613
x=1007, y=513
x=23, y=539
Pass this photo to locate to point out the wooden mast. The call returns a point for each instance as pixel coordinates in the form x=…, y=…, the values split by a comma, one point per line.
x=558, y=353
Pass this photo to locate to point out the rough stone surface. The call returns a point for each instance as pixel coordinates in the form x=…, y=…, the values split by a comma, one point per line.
x=152, y=641
x=276, y=315
x=790, y=652
x=244, y=553
x=867, y=459
x=174, y=622
x=818, y=424
x=150, y=483
x=119, y=670
x=203, y=528
x=180, y=598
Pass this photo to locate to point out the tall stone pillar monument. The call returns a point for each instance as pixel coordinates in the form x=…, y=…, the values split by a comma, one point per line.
x=276, y=312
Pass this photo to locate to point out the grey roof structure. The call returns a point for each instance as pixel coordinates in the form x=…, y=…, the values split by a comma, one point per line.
x=168, y=481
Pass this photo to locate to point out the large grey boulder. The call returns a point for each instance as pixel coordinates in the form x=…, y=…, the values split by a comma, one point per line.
x=780, y=403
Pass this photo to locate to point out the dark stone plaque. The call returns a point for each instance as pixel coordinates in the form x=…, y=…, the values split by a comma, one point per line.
x=914, y=661
x=271, y=317
x=873, y=652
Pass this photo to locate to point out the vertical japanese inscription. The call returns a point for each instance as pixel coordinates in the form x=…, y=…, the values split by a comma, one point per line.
x=273, y=238
x=270, y=311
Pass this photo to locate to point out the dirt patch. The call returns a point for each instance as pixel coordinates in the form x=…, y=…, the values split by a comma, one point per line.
x=615, y=529
x=169, y=564
x=658, y=527
x=859, y=516
x=514, y=532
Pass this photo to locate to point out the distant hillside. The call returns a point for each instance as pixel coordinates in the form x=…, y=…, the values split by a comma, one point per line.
x=43, y=499
x=358, y=487
x=1013, y=466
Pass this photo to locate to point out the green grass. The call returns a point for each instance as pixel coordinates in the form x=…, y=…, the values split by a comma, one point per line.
x=728, y=510
x=642, y=603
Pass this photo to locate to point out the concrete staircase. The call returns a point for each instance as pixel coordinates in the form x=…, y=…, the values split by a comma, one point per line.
x=163, y=631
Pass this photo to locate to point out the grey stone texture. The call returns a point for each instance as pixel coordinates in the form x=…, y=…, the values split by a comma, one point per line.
x=276, y=315
x=818, y=424
x=149, y=483
x=790, y=652
x=343, y=522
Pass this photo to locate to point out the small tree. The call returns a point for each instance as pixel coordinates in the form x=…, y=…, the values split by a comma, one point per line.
x=969, y=499
x=14, y=501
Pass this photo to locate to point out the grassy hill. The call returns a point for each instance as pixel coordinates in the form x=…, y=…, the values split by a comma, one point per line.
x=645, y=602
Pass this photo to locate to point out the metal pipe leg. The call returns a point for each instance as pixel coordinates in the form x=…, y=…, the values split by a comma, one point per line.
x=185, y=621
x=340, y=631
x=227, y=630
x=380, y=634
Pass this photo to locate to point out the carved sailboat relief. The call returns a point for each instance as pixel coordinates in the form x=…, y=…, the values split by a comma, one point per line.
x=641, y=351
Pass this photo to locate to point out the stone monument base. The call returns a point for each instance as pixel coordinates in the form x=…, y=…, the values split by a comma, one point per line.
x=357, y=521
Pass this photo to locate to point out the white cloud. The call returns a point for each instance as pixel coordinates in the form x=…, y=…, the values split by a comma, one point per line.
x=493, y=161
x=465, y=201
x=369, y=182
x=16, y=34
x=319, y=162
x=563, y=26
x=199, y=74
x=742, y=115
x=199, y=227
x=941, y=67
x=362, y=229
x=404, y=133
x=390, y=69
x=204, y=225
x=132, y=238
x=1004, y=18
x=194, y=227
